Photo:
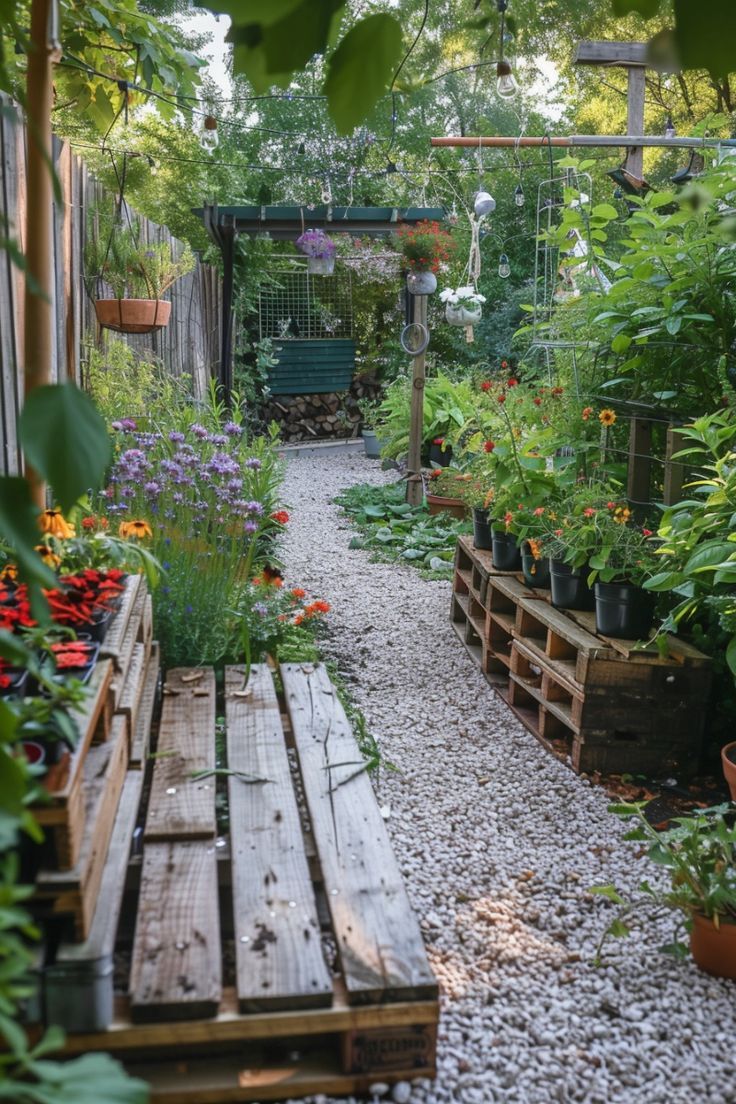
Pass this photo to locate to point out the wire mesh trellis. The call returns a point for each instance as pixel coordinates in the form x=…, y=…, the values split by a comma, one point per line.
x=300, y=307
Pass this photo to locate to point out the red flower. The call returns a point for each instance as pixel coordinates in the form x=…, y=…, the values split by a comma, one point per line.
x=502, y=398
x=486, y=385
x=281, y=516
x=438, y=441
x=646, y=532
x=5, y=681
x=558, y=532
x=556, y=391
x=589, y=511
x=537, y=402
x=611, y=505
x=489, y=446
x=436, y=473
x=512, y=383
x=587, y=411
x=539, y=511
x=504, y=364
x=298, y=592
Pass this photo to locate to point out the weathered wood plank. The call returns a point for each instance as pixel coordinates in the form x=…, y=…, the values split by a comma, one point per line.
x=378, y=937
x=180, y=807
x=176, y=971
x=113, y=643
x=277, y=934
x=147, y=704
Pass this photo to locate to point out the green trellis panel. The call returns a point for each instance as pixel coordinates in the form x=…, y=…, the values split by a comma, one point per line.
x=312, y=367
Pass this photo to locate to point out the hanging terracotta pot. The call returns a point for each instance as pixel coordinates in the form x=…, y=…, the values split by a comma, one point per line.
x=714, y=948
x=728, y=758
x=135, y=316
x=436, y=504
x=421, y=283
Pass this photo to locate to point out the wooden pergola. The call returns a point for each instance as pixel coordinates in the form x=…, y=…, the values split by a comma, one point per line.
x=286, y=223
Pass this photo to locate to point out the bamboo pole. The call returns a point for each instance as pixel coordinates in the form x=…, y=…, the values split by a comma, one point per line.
x=38, y=328
x=414, y=488
x=532, y=141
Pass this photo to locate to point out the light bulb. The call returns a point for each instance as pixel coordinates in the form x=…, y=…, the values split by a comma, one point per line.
x=152, y=166
x=669, y=129
x=209, y=138
x=506, y=85
x=504, y=267
x=519, y=196
x=483, y=204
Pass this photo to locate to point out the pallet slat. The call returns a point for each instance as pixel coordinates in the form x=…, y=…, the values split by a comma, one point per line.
x=179, y=807
x=146, y=706
x=378, y=938
x=277, y=934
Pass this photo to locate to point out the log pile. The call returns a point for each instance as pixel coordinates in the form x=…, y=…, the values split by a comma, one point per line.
x=331, y=415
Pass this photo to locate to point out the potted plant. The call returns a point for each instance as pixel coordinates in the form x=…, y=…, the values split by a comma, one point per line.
x=425, y=246
x=463, y=305
x=138, y=273
x=728, y=759
x=440, y=452
x=319, y=250
x=370, y=413
x=446, y=492
x=699, y=854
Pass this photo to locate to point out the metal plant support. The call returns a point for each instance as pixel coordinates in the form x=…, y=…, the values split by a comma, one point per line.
x=300, y=307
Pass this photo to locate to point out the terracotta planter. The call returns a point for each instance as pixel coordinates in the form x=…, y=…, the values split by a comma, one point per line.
x=728, y=758
x=714, y=948
x=133, y=315
x=454, y=506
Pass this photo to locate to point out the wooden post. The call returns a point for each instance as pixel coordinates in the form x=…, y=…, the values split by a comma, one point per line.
x=39, y=321
x=414, y=488
x=640, y=462
x=674, y=471
x=635, y=124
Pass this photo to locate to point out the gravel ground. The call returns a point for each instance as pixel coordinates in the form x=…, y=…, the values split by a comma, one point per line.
x=498, y=843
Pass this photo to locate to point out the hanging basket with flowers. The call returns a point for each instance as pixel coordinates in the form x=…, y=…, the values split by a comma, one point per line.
x=319, y=250
x=463, y=305
x=426, y=247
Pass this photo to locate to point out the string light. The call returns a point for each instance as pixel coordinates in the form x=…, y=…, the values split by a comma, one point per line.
x=506, y=85
x=519, y=196
x=669, y=129
x=504, y=266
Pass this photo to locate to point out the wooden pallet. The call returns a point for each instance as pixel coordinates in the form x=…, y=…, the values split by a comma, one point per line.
x=291, y=1024
x=62, y=817
x=610, y=705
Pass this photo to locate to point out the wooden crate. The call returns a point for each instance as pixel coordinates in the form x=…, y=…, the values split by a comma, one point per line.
x=290, y=1026
x=62, y=816
x=609, y=705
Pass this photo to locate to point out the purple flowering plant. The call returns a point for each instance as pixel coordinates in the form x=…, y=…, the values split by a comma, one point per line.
x=315, y=243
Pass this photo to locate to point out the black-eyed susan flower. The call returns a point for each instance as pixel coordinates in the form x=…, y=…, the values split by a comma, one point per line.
x=137, y=529
x=52, y=522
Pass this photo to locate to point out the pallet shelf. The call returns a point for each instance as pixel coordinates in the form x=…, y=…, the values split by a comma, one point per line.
x=609, y=705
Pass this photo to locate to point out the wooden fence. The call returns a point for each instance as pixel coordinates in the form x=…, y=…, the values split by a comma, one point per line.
x=190, y=344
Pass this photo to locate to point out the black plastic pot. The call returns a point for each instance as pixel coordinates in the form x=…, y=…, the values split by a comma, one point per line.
x=623, y=610
x=440, y=456
x=100, y=624
x=570, y=588
x=506, y=553
x=18, y=683
x=482, y=534
x=536, y=572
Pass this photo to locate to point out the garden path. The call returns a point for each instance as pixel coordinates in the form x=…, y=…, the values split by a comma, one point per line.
x=498, y=843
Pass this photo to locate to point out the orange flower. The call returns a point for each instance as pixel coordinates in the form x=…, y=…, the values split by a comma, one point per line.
x=92, y=522
x=622, y=515
x=135, y=529
x=52, y=521
x=535, y=547
x=298, y=592
x=607, y=417
x=587, y=411
x=508, y=517
x=589, y=512
x=10, y=571
x=281, y=516
x=539, y=511
x=49, y=558
x=298, y=619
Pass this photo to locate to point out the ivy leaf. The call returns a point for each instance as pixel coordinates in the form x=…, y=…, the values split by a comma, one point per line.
x=705, y=39
x=65, y=440
x=360, y=69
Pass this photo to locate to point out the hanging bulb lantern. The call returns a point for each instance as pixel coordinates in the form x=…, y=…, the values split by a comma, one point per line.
x=669, y=129
x=506, y=85
x=519, y=196
x=152, y=166
x=483, y=204
x=504, y=266
x=209, y=138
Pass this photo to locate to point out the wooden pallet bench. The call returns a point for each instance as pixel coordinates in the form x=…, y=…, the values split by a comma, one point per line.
x=309, y=866
x=610, y=705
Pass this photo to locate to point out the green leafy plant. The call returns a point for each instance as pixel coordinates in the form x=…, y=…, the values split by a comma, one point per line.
x=699, y=855
x=116, y=256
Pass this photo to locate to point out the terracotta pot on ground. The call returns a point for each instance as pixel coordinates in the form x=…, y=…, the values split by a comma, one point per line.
x=133, y=315
x=714, y=948
x=454, y=506
x=728, y=758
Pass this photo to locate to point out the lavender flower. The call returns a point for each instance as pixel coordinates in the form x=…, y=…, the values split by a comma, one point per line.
x=232, y=429
x=218, y=439
x=176, y=436
x=152, y=488
x=253, y=463
x=199, y=431
x=250, y=527
x=260, y=608
x=254, y=508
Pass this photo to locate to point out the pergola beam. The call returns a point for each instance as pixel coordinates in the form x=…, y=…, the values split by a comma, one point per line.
x=530, y=141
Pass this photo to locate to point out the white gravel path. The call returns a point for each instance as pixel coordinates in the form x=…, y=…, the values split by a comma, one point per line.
x=498, y=843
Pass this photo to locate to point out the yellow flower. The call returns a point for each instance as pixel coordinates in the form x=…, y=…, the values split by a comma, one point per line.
x=49, y=558
x=10, y=571
x=138, y=529
x=52, y=521
x=607, y=417
x=489, y=498
x=622, y=515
